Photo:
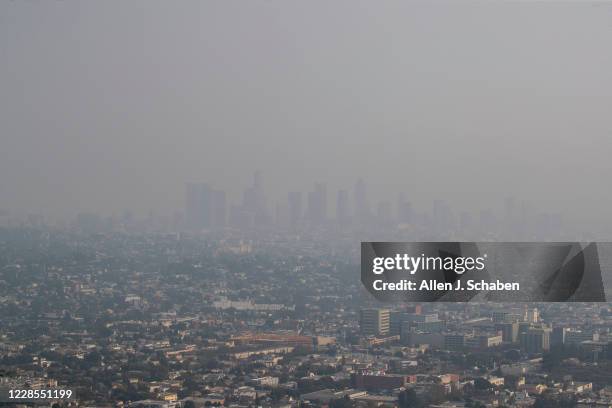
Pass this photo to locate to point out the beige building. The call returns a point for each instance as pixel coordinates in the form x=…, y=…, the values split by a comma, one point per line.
x=374, y=321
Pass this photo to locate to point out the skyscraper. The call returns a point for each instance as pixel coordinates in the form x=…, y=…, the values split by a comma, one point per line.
x=557, y=337
x=254, y=201
x=374, y=321
x=510, y=331
x=536, y=340
x=204, y=207
x=197, y=205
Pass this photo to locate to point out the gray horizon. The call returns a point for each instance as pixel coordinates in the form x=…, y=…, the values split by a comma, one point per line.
x=107, y=106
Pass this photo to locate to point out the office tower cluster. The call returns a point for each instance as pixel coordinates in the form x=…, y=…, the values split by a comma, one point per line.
x=205, y=207
x=208, y=208
x=522, y=329
x=253, y=211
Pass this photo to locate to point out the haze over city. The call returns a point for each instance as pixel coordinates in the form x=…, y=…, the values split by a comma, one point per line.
x=107, y=106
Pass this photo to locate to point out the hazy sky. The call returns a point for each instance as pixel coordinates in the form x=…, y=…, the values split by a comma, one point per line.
x=111, y=105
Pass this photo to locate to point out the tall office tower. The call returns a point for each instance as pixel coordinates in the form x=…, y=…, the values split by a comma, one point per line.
x=317, y=204
x=531, y=315
x=404, y=210
x=395, y=322
x=510, y=331
x=342, y=208
x=536, y=340
x=254, y=201
x=197, y=205
x=362, y=207
x=374, y=322
x=218, y=204
x=534, y=316
x=557, y=338
x=524, y=327
x=295, y=208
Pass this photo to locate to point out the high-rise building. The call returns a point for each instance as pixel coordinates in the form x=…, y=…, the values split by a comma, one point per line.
x=509, y=331
x=204, y=207
x=197, y=205
x=254, y=201
x=395, y=321
x=536, y=340
x=531, y=315
x=374, y=322
x=557, y=338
